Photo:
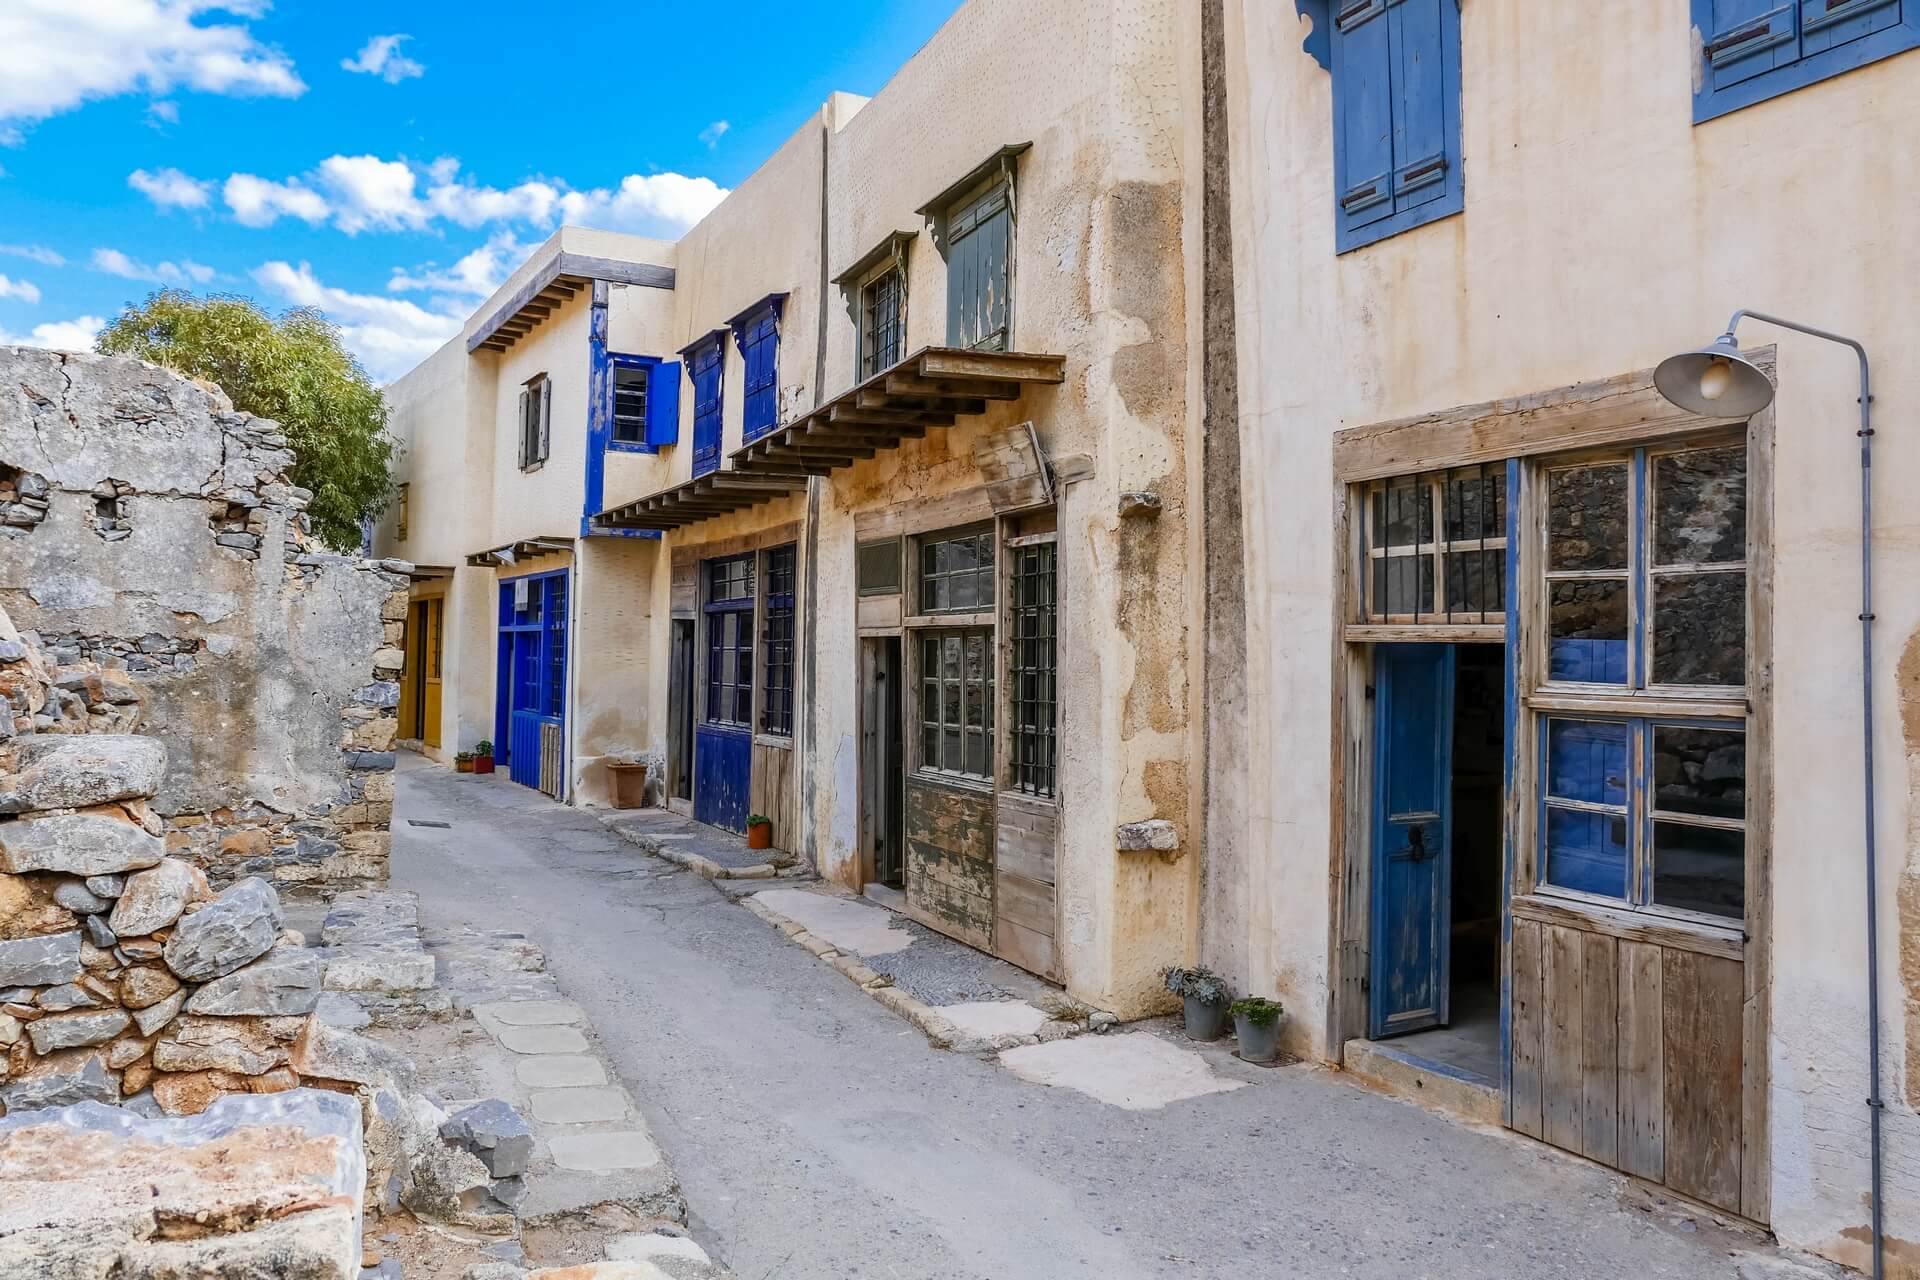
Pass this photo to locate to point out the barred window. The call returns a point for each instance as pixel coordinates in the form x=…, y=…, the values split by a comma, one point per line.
x=776, y=711
x=1033, y=666
x=1436, y=547
x=956, y=702
x=881, y=320
x=956, y=572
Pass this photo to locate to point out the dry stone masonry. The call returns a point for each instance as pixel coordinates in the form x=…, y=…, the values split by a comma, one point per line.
x=156, y=553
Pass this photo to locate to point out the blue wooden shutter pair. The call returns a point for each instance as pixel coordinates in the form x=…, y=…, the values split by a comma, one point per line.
x=663, y=403
x=760, y=351
x=1742, y=40
x=1396, y=108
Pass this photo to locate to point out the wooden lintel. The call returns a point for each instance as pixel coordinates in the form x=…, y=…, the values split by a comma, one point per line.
x=997, y=366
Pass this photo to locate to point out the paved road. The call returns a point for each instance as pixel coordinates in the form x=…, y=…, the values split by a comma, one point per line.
x=817, y=1135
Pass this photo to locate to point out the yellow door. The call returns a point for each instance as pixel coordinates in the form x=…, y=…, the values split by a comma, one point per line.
x=430, y=699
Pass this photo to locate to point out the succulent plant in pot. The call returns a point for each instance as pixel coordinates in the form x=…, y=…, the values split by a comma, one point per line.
x=1256, y=1022
x=1204, y=997
x=463, y=762
x=483, y=756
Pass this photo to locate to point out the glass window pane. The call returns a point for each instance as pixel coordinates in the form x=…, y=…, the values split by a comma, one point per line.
x=1587, y=852
x=1700, y=771
x=1589, y=516
x=950, y=749
x=1403, y=514
x=1475, y=505
x=1700, y=506
x=1700, y=869
x=1700, y=628
x=1587, y=631
x=1587, y=760
x=1403, y=584
x=1476, y=581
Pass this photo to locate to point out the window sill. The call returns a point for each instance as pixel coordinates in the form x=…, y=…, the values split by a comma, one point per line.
x=1612, y=701
x=1433, y=211
x=1710, y=104
x=782, y=741
x=532, y=467
x=954, y=781
x=1728, y=942
x=629, y=446
x=949, y=620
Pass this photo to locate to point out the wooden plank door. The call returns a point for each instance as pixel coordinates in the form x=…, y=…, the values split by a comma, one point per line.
x=1413, y=692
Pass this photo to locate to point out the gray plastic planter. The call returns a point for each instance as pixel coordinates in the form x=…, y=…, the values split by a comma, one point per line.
x=1257, y=1044
x=1205, y=1021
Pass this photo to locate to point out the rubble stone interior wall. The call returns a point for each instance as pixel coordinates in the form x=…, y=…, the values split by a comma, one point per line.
x=153, y=546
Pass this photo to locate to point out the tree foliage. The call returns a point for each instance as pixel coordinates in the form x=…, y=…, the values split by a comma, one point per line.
x=292, y=369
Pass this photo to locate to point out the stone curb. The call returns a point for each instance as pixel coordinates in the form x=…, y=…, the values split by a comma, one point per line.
x=926, y=1018
x=704, y=867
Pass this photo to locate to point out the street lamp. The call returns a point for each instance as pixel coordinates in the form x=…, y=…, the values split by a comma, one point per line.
x=1717, y=381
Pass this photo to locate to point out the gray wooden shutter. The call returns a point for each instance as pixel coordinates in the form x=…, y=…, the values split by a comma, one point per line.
x=546, y=416
x=520, y=429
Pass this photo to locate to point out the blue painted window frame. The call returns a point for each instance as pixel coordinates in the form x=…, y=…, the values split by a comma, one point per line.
x=646, y=364
x=723, y=613
x=706, y=363
x=1408, y=182
x=1791, y=44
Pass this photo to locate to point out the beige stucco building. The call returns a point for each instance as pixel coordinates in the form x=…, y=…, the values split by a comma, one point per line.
x=1166, y=482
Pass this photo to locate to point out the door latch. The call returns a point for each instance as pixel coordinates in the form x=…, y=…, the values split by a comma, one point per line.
x=1417, y=843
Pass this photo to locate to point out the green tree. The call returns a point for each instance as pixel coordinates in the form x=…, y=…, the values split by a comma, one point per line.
x=292, y=369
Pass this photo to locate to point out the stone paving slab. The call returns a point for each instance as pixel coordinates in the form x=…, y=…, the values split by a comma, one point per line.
x=540, y=1039
x=580, y=1106
x=559, y=1071
x=531, y=1013
x=1136, y=1071
x=605, y=1151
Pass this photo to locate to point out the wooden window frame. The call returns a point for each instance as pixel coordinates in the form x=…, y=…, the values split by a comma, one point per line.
x=988, y=686
x=1437, y=549
x=644, y=367
x=984, y=535
x=869, y=352
x=1000, y=184
x=535, y=422
x=401, y=493
x=774, y=703
x=1033, y=762
x=983, y=621
x=743, y=609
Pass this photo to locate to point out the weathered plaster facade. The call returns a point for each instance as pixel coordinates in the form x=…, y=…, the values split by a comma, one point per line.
x=172, y=554
x=1597, y=240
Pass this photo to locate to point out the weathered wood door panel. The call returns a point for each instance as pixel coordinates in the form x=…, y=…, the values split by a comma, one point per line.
x=1631, y=1053
x=1023, y=899
x=949, y=841
x=1412, y=778
x=722, y=762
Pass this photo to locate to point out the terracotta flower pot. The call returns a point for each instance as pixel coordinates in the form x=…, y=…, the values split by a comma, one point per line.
x=463, y=766
x=629, y=783
x=760, y=835
x=483, y=764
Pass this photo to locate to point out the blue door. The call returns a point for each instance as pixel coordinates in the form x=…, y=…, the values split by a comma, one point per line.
x=1412, y=837
x=531, y=693
x=723, y=737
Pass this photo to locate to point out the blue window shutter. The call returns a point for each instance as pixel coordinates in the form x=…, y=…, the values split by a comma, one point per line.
x=663, y=403
x=1425, y=103
x=1363, y=115
x=760, y=354
x=1828, y=24
x=1741, y=39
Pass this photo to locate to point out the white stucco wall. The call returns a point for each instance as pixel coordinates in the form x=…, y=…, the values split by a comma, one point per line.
x=1603, y=231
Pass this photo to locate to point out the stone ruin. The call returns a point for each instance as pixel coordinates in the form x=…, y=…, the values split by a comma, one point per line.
x=153, y=546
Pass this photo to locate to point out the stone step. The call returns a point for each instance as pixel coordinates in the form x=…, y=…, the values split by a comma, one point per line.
x=1463, y=1093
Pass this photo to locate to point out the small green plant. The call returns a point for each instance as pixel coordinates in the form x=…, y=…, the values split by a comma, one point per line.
x=461, y=757
x=1257, y=1010
x=484, y=747
x=1199, y=984
x=759, y=820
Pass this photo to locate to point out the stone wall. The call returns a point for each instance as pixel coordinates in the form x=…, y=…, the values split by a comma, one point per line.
x=153, y=546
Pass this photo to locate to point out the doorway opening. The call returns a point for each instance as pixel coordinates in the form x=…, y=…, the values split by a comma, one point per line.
x=1440, y=752
x=680, y=714
x=884, y=761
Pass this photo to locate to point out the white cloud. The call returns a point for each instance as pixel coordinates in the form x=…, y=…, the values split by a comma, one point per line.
x=389, y=335
x=470, y=206
x=25, y=290
x=370, y=192
x=647, y=204
x=58, y=335
x=712, y=134
x=33, y=253
x=159, y=113
x=381, y=57
x=184, y=272
x=256, y=202
x=170, y=188
x=475, y=276
x=56, y=54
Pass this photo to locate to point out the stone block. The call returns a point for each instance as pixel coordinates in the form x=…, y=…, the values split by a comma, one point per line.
x=379, y=968
x=324, y=1052
x=77, y=898
x=146, y=985
x=158, y=1014
x=1155, y=834
x=100, y=934
x=284, y=981
x=80, y=844
x=79, y=1075
x=73, y=771
x=66, y=997
x=495, y=1133
x=240, y=1045
x=78, y=1030
x=238, y=926
x=42, y=961
x=153, y=899
x=106, y=886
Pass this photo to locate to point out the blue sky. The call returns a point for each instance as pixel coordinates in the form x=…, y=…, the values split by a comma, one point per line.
x=387, y=163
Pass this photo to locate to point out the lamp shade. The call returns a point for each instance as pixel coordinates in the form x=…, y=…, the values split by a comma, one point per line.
x=1716, y=381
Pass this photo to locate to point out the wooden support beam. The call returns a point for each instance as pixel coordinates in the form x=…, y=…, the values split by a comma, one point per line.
x=993, y=366
x=889, y=432
x=906, y=384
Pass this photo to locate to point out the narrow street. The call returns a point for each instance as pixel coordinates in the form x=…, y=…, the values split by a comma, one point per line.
x=818, y=1135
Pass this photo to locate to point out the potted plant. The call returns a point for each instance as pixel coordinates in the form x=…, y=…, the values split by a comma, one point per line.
x=1256, y=1021
x=483, y=756
x=629, y=783
x=463, y=762
x=1204, y=996
x=759, y=831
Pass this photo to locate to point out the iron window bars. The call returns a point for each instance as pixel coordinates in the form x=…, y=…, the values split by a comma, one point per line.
x=1033, y=666
x=1435, y=547
x=882, y=311
x=776, y=712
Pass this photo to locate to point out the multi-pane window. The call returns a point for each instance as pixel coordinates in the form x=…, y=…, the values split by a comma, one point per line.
x=1645, y=596
x=630, y=403
x=1436, y=547
x=1032, y=667
x=882, y=321
x=979, y=272
x=729, y=611
x=556, y=645
x=776, y=711
x=956, y=572
x=956, y=702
